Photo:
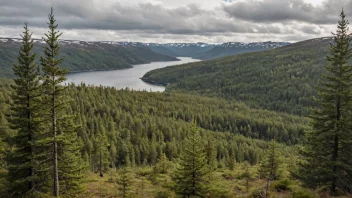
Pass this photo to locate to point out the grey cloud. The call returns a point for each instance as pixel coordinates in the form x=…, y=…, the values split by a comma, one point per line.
x=147, y=17
x=293, y=10
x=115, y=20
x=310, y=29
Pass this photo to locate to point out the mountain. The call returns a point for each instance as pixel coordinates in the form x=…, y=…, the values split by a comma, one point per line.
x=233, y=48
x=181, y=49
x=280, y=79
x=160, y=49
x=84, y=56
x=206, y=51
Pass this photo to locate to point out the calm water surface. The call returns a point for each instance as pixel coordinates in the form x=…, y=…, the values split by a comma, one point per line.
x=125, y=78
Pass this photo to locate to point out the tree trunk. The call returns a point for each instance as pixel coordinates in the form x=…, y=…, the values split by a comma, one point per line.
x=336, y=147
x=56, y=170
x=100, y=165
x=31, y=183
x=334, y=159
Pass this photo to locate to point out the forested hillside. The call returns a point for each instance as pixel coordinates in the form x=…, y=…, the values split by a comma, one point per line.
x=205, y=51
x=139, y=127
x=141, y=117
x=233, y=48
x=281, y=79
x=181, y=49
x=83, y=56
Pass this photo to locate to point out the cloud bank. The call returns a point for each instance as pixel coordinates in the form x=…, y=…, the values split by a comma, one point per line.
x=167, y=21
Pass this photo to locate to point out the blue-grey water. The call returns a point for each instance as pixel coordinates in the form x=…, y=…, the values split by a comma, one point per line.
x=122, y=79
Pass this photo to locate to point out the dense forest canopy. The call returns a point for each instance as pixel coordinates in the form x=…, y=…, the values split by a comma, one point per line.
x=281, y=79
x=140, y=126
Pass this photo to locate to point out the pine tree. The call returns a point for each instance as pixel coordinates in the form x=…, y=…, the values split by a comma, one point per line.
x=247, y=175
x=232, y=162
x=124, y=181
x=24, y=119
x=328, y=151
x=101, y=153
x=163, y=165
x=191, y=177
x=61, y=139
x=113, y=154
x=270, y=165
x=211, y=155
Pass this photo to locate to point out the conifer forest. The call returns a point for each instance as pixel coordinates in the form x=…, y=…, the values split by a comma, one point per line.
x=260, y=124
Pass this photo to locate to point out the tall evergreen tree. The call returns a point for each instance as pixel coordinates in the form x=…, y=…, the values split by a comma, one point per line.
x=247, y=175
x=270, y=165
x=125, y=182
x=61, y=138
x=24, y=118
x=191, y=176
x=211, y=155
x=101, y=153
x=329, y=149
x=163, y=165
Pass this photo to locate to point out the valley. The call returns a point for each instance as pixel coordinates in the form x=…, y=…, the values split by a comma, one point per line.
x=171, y=117
x=85, y=56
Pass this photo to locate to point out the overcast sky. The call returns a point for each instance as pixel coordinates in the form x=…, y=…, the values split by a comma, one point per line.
x=212, y=21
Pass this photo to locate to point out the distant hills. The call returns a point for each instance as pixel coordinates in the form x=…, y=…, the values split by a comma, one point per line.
x=233, y=48
x=108, y=55
x=194, y=50
x=84, y=56
x=280, y=79
x=205, y=51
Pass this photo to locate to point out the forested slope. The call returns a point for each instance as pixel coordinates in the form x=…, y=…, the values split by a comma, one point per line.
x=143, y=125
x=233, y=48
x=281, y=79
x=84, y=56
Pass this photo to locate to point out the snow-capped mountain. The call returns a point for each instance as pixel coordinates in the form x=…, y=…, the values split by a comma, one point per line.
x=83, y=55
x=233, y=48
x=199, y=50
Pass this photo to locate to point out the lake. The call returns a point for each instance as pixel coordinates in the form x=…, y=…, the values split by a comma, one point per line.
x=124, y=78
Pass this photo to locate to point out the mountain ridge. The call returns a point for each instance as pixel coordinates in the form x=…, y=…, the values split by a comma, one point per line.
x=83, y=55
x=207, y=51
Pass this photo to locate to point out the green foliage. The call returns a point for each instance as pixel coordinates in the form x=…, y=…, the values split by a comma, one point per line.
x=100, y=152
x=211, y=155
x=136, y=120
x=282, y=79
x=191, y=175
x=163, y=166
x=257, y=193
x=271, y=163
x=219, y=191
x=231, y=163
x=124, y=181
x=62, y=162
x=163, y=194
x=327, y=154
x=282, y=185
x=304, y=193
x=25, y=120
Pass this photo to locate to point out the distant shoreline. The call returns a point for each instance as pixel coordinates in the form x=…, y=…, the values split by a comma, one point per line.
x=152, y=82
x=111, y=69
